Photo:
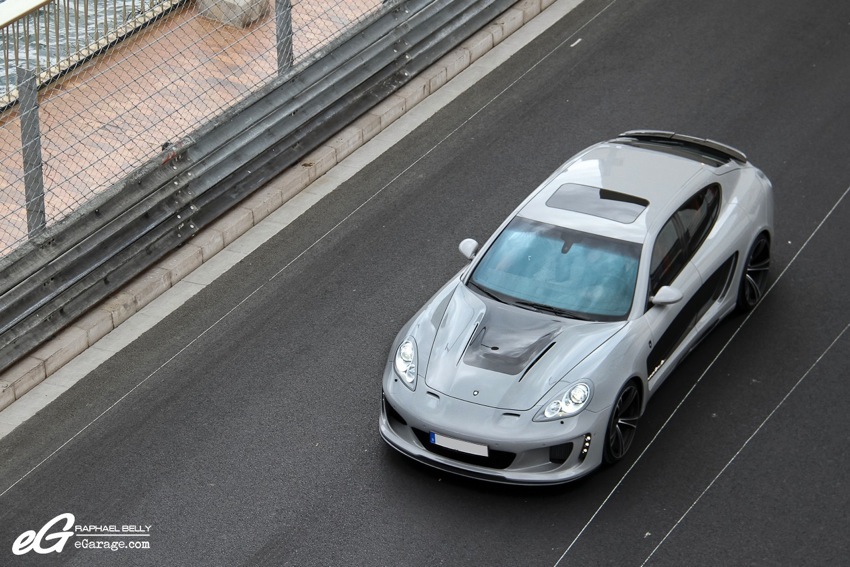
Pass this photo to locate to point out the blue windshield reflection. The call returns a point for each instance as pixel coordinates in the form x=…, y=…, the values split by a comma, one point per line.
x=538, y=263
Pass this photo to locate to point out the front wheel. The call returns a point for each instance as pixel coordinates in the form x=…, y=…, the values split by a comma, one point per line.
x=754, y=279
x=622, y=425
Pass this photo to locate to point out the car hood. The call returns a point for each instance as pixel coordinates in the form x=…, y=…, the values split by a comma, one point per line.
x=506, y=357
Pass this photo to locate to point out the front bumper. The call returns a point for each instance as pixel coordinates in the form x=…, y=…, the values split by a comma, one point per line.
x=521, y=451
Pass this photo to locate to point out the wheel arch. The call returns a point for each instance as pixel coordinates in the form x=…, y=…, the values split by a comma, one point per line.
x=643, y=388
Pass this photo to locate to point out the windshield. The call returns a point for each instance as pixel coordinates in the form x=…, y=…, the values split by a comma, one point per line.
x=555, y=269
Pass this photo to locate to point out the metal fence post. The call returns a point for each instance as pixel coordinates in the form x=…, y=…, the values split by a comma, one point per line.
x=31, y=144
x=283, y=30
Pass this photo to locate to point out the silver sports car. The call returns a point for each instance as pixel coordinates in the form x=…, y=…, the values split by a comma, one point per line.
x=534, y=364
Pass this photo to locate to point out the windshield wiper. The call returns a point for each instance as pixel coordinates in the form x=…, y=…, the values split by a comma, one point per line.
x=554, y=310
x=486, y=292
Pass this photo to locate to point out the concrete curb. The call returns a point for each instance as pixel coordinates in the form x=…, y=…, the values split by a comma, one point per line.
x=174, y=269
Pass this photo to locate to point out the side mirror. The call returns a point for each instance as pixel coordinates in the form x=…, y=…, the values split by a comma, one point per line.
x=666, y=296
x=468, y=247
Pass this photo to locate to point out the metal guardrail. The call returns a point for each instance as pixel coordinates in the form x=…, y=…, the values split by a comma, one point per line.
x=201, y=177
x=51, y=37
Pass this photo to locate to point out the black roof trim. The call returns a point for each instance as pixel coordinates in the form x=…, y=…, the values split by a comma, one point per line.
x=622, y=197
x=705, y=144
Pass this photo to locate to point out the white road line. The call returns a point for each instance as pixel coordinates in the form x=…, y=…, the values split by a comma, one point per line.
x=449, y=135
x=707, y=368
x=418, y=115
x=55, y=385
x=576, y=42
x=750, y=438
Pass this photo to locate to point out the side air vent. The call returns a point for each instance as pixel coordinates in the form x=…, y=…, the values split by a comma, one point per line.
x=559, y=454
x=392, y=413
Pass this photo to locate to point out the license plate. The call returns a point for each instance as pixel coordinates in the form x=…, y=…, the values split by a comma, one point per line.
x=459, y=445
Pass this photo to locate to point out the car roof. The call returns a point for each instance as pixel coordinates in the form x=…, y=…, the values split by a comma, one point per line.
x=622, y=174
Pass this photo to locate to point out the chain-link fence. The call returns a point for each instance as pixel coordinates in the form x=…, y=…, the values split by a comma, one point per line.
x=122, y=108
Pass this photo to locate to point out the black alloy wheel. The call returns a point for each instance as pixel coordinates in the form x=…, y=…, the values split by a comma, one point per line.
x=623, y=423
x=754, y=279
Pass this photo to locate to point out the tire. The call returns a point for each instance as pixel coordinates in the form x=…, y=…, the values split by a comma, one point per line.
x=622, y=425
x=755, y=273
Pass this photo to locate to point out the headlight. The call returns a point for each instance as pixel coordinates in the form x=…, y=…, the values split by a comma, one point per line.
x=406, y=362
x=567, y=404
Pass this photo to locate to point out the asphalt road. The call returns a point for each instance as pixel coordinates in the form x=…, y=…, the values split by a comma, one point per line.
x=252, y=439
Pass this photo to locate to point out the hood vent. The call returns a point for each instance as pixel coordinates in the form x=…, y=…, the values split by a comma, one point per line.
x=509, y=340
x=469, y=342
x=539, y=356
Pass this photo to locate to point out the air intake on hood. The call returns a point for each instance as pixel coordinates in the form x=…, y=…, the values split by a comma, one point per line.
x=539, y=356
x=469, y=342
x=509, y=340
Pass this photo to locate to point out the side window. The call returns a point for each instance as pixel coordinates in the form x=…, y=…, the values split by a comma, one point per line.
x=697, y=216
x=668, y=257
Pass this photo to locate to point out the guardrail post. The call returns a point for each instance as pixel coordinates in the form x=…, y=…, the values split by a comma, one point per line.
x=31, y=144
x=283, y=30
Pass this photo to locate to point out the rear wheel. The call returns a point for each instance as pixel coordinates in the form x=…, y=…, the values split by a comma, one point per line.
x=622, y=425
x=754, y=279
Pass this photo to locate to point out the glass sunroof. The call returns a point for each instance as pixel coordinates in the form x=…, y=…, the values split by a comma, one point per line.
x=597, y=202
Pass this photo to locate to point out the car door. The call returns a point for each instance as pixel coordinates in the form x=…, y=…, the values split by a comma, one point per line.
x=712, y=257
x=670, y=265
x=704, y=278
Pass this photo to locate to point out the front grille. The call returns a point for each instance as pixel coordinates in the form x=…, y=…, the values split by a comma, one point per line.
x=496, y=460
